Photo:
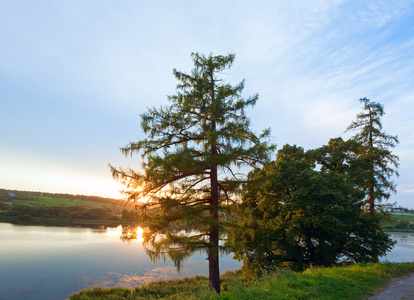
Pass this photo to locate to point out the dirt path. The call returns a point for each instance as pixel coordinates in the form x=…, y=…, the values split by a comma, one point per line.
x=400, y=288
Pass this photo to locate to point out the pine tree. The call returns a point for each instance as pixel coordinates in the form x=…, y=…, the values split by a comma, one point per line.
x=381, y=164
x=192, y=158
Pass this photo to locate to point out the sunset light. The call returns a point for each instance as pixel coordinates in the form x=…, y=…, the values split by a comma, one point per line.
x=133, y=234
x=153, y=140
x=140, y=233
x=116, y=232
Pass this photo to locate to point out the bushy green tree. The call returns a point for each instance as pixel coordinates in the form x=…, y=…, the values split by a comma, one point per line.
x=189, y=178
x=304, y=209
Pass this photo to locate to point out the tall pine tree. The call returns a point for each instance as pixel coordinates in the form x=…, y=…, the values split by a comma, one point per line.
x=381, y=164
x=192, y=158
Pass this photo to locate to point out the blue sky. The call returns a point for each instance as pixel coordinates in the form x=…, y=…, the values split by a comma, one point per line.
x=76, y=75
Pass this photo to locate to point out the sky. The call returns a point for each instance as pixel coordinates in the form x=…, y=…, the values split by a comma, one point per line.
x=75, y=76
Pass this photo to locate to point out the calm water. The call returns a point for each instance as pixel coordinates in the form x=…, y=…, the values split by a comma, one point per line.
x=403, y=251
x=39, y=262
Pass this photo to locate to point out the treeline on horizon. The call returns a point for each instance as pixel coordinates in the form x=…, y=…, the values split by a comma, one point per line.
x=26, y=195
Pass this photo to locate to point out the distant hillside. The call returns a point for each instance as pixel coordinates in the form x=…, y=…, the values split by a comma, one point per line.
x=27, y=195
x=40, y=208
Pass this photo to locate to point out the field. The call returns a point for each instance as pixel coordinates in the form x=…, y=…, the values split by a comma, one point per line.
x=35, y=208
x=51, y=201
x=403, y=217
x=400, y=223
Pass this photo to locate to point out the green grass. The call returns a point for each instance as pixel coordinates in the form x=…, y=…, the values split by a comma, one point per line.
x=346, y=282
x=51, y=201
x=396, y=223
x=402, y=217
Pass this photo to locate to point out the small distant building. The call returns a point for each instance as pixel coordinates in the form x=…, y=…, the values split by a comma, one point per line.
x=12, y=195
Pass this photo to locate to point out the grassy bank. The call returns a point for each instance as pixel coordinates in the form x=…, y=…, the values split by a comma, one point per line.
x=346, y=282
x=400, y=223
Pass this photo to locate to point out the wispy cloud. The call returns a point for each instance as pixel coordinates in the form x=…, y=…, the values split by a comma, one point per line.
x=76, y=75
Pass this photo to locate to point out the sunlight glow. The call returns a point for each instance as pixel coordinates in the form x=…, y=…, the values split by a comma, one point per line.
x=134, y=234
x=48, y=178
x=140, y=233
x=136, y=190
x=116, y=232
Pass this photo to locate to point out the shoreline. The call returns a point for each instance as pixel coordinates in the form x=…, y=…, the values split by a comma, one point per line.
x=71, y=223
x=355, y=281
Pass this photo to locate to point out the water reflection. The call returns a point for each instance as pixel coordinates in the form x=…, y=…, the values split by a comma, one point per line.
x=140, y=234
x=129, y=233
x=403, y=250
x=38, y=262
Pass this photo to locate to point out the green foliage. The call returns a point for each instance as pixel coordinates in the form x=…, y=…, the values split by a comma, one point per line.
x=381, y=164
x=186, y=288
x=304, y=210
x=128, y=215
x=56, y=215
x=346, y=282
x=191, y=156
x=350, y=282
x=399, y=223
x=4, y=206
x=402, y=225
x=103, y=293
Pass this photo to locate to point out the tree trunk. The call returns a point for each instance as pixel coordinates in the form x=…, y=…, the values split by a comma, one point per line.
x=213, y=251
x=371, y=192
x=371, y=195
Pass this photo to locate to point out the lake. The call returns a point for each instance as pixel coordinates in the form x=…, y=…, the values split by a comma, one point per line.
x=403, y=251
x=38, y=262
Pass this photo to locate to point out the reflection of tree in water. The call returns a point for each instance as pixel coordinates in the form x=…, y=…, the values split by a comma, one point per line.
x=131, y=233
x=177, y=253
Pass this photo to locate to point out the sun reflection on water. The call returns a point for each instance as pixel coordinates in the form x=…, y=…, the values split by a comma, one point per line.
x=116, y=232
x=140, y=233
x=127, y=233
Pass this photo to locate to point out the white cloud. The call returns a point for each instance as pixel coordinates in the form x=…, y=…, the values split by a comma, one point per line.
x=380, y=13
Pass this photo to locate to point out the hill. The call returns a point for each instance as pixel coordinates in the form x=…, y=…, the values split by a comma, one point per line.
x=40, y=208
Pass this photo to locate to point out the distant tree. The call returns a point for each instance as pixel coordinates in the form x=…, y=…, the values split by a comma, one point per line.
x=93, y=214
x=381, y=164
x=4, y=206
x=128, y=215
x=192, y=155
x=299, y=212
